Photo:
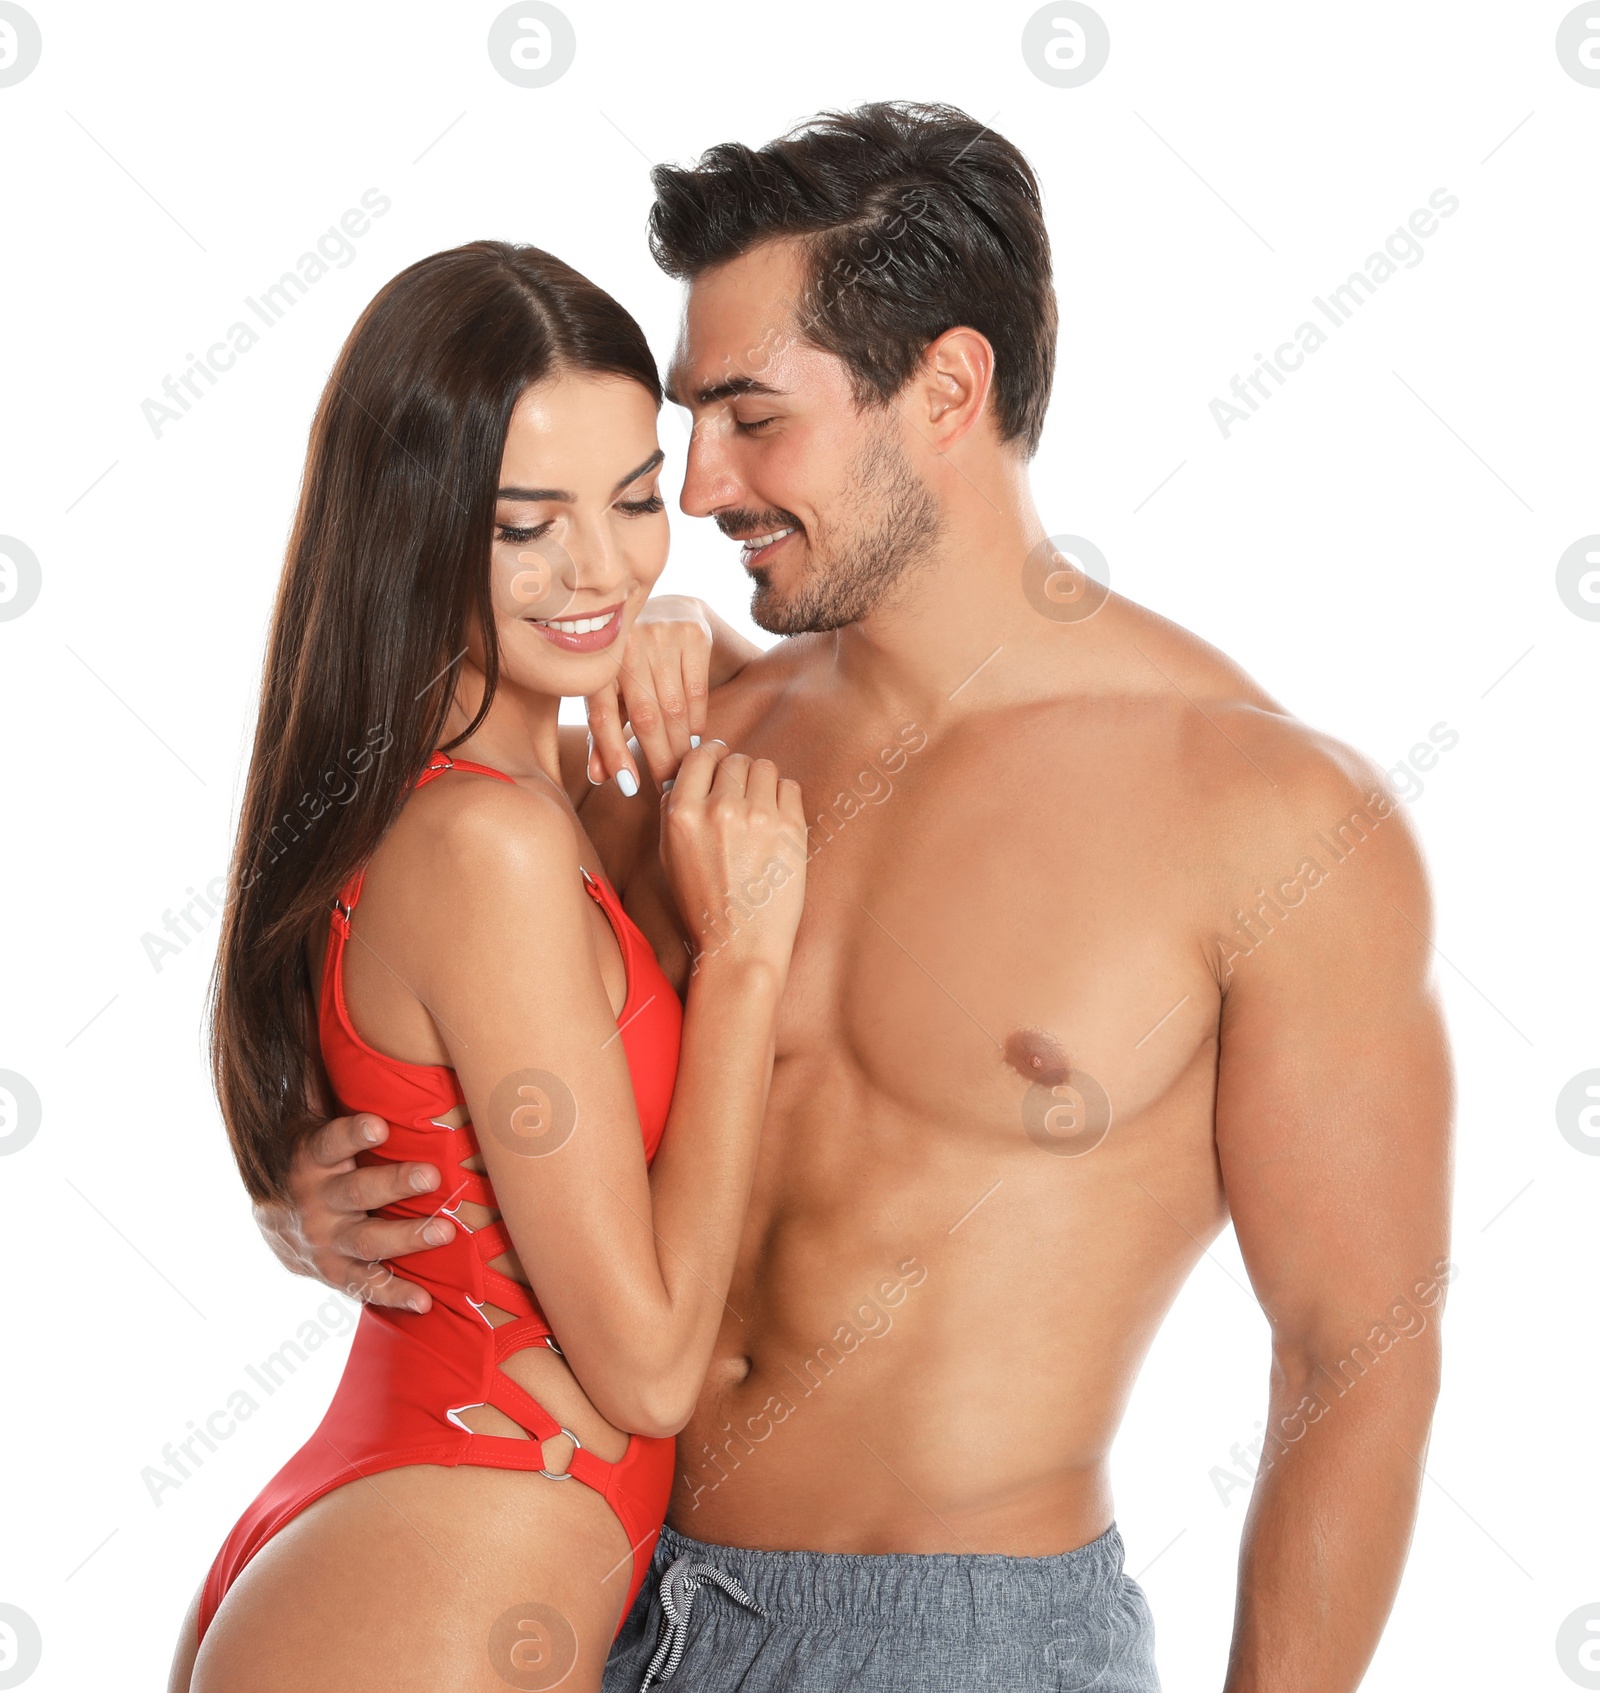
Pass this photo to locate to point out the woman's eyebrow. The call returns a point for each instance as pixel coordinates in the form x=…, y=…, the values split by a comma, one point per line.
x=656, y=458
x=560, y=495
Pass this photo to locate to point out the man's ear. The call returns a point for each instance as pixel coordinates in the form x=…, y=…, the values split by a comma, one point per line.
x=951, y=388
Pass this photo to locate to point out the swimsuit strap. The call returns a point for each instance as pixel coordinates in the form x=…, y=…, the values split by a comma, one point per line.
x=437, y=766
x=442, y=761
x=344, y=903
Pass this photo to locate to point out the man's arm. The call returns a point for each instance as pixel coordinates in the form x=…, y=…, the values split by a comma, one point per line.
x=1332, y=1128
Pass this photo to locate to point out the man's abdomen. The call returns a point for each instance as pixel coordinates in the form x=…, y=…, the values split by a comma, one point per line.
x=901, y=1372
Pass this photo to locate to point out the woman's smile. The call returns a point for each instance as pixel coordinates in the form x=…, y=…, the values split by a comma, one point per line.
x=581, y=634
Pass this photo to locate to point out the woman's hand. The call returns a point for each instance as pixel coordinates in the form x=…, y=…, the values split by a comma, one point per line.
x=677, y=651
x=733, y=843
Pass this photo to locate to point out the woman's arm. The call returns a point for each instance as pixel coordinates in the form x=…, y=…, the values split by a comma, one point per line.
x=329, y=1229
x=677, y=651
x=631, y=1266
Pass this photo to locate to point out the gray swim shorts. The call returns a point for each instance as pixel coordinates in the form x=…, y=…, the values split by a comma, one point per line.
x=712, y=1619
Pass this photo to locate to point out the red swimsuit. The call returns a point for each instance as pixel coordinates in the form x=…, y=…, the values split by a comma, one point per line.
x=409, y=1375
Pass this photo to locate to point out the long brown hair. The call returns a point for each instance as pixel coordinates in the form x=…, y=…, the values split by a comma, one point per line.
x=388, y=557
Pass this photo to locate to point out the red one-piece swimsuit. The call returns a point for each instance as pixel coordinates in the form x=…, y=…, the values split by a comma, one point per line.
x=411, y=1374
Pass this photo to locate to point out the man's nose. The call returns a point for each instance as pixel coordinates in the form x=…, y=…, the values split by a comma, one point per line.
x=710, y=482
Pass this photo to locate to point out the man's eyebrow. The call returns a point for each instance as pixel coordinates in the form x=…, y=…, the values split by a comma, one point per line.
x=715, y=391
x=564, y=495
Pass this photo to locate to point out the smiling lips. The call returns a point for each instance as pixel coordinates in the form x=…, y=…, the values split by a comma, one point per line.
x=581, y=634
x=598, y=631
x=758, y=546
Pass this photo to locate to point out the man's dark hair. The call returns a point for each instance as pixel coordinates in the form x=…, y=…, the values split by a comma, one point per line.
x=916, y=219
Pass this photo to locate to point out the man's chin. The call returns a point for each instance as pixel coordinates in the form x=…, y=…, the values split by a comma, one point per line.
x=769, y=609
x=811, y=612
x=781, y=614
x=773, y=618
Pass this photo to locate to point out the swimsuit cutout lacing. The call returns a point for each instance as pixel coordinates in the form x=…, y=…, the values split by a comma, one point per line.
x=410, y=1375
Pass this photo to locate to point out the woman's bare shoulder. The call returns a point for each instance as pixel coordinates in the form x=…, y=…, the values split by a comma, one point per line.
x=474, y=839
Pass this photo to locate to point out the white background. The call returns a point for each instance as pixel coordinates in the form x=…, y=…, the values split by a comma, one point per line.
x=1377, y=546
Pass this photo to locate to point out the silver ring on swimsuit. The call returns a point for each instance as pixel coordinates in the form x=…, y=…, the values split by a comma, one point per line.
x=563, y=1475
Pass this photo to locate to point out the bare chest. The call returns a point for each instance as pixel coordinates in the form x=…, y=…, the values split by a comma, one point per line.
x=987, y=937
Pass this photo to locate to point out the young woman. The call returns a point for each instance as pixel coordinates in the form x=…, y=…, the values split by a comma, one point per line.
x=418, y=927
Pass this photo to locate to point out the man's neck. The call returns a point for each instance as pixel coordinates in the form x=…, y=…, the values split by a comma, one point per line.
x=956, y=612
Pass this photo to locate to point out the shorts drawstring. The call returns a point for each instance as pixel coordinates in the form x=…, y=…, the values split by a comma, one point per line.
x=683, y=1576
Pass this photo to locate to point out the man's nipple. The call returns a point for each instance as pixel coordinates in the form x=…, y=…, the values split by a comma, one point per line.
x=1037, y=1056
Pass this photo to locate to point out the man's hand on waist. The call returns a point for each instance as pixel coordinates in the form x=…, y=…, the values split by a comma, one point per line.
x=327, y=1230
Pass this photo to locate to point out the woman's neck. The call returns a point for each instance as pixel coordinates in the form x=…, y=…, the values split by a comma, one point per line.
x=521, y=735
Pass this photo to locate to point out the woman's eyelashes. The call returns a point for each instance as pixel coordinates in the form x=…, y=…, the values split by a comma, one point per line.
x=520, y=537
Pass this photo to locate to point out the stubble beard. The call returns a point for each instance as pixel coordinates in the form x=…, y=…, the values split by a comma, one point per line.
x=890, y=528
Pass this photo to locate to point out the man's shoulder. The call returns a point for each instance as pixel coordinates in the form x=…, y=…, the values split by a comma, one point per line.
x=738, y=704
x=1266, y=781
x=1224, y=721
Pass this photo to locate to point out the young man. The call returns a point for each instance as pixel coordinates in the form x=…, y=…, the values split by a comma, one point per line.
x=1101, y=947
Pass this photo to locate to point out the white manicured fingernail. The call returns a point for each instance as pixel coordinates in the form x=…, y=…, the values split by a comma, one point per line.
x=694, y=740
x=628, y=782
x=666, y=786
